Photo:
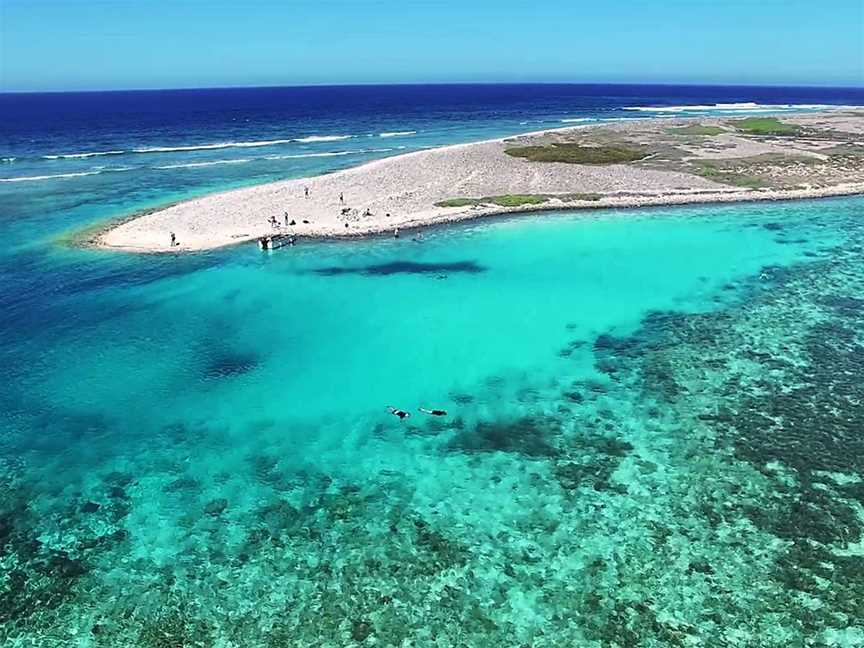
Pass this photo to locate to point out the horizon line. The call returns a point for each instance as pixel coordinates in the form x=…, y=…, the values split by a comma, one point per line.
x=438, y=83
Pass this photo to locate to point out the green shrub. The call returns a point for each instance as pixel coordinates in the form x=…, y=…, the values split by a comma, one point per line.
x=507, y=200
x=577, y=154
x=764, y=126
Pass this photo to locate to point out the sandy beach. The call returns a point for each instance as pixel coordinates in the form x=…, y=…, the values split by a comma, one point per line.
x=676, y=161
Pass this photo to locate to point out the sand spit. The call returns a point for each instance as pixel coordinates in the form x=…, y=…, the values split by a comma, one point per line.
x=682, y=164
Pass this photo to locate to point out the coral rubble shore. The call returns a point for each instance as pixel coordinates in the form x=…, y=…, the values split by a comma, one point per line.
x=673, y=161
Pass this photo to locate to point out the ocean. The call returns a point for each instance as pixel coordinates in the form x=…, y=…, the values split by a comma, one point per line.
x=654, y=429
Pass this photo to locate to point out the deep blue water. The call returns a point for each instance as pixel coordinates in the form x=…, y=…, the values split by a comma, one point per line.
x=195, y=450
x=58, y=123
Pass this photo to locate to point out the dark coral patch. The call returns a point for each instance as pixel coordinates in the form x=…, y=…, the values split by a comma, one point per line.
x=528, y=436
x=229, y=365
x=403, y=267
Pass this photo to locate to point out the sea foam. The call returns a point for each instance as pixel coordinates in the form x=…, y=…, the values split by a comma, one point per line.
x=88, y=154
x=191, y=165
x=322, y=138
x=210, y=147
x=50, y=177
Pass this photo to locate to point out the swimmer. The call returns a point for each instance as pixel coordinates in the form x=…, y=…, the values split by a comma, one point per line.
x=433, y=412
x=402, y=414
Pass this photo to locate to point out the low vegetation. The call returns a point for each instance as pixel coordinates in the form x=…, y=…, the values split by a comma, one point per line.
x=571, y=197
x=696, y=129
x=516, y=200
x=507, y=200
x=577, y=153
x=459, y=202
x=764, y=126
x=712, y=171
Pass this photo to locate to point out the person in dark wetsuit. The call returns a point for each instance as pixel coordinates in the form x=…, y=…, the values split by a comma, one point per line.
x=433, y=412
x=402, y=414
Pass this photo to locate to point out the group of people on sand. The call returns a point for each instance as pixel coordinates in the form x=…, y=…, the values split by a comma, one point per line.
x=402, y=414
x=345, y=212
x=274, y=223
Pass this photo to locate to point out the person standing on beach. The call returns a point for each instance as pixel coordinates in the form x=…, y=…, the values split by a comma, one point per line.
x=306, y=191
x=342, y=198
x=173, y=239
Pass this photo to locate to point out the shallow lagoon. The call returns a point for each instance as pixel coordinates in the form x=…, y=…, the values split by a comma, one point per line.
x=653, y=437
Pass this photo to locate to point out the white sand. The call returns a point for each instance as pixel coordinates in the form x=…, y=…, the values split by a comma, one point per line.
x=407, y=187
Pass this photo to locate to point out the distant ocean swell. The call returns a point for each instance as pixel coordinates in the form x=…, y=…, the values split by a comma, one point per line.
x=192, y=165
x=310, y=139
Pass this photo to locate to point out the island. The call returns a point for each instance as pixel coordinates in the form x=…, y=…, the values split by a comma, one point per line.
x=624, y=163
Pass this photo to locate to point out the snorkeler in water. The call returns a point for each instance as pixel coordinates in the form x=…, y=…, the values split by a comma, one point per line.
x=433, y=412
x=402, y=414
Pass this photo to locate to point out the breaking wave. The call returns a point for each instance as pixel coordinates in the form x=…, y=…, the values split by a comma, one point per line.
x=327, y=154
x=50, y=177
x=397, y=134
x=79, y=174
x=190, y=165
x=89, y=154
x=322, y=138
x=210, y=147
x=309, y=155
x=199, y=147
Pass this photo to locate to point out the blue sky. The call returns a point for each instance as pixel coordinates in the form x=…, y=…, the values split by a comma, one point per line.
x=106, y=44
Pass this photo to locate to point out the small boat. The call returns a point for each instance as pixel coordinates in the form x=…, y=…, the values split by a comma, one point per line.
x=265, y=243
x=276, y=242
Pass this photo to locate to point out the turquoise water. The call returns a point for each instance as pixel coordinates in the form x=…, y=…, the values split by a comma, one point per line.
x=197, y=450
x=654, y=418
